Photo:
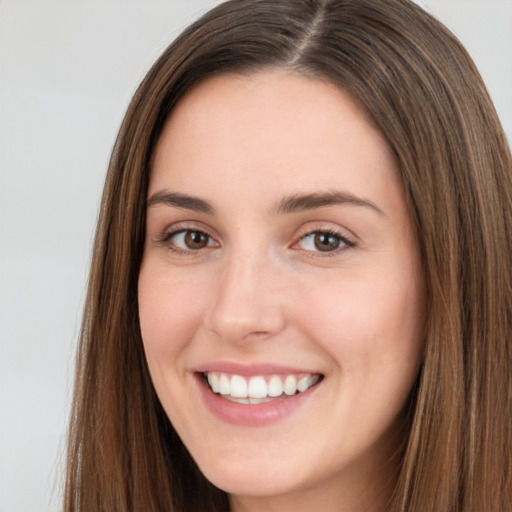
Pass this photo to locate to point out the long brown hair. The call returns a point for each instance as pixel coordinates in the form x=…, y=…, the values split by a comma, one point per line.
x=425, y=94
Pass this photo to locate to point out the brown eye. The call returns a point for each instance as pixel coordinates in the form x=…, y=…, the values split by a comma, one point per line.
x=326, y=242
x=196, y=240
x=189, y=240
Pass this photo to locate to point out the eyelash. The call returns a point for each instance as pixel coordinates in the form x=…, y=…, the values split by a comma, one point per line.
x=343, y=241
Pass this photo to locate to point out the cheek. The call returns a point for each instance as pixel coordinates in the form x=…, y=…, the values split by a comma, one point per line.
x=369, y=325
x=170, y=311
x=373, y=336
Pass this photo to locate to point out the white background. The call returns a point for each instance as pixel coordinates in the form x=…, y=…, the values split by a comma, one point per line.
x=67, y=72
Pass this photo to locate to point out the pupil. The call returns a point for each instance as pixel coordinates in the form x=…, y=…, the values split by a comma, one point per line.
x=326, y=242
x=196, y=239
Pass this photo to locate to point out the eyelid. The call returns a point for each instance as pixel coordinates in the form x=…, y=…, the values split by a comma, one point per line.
x=185, y=225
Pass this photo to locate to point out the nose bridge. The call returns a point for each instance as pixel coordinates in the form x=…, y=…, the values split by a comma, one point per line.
x=247, y=301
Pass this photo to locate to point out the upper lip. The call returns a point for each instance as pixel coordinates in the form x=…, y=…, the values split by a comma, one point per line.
x=249, y=370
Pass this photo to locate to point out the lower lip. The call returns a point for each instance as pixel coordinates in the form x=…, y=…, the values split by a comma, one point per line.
x=252, y=414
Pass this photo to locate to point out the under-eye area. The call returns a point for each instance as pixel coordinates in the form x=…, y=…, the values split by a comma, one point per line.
x=259, y=388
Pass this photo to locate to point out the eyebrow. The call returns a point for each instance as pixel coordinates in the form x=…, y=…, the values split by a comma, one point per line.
x=298, y=203
x=180, y=201
x=291, y=204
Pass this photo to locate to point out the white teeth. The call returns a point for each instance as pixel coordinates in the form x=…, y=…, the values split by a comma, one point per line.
x=256, y=389
x=275, y=386
x=238, y=387
x=213, y=380
x=290, y=385
x=247, y=400
x=224, y=385
x=303, y=384
x=259, y=400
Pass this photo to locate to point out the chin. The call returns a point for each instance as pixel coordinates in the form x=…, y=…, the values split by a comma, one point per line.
x=257, y=480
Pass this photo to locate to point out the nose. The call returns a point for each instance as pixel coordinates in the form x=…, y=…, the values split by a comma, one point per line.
x=248, y=301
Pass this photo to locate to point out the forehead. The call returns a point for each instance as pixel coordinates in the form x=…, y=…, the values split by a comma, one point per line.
x=270, y=128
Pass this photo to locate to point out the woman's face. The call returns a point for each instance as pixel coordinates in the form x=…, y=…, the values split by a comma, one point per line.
x=281, y=264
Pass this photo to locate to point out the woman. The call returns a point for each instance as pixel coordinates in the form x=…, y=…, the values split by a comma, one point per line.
x=300, y=293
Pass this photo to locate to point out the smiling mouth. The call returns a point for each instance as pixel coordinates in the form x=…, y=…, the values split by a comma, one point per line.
x=260, y=388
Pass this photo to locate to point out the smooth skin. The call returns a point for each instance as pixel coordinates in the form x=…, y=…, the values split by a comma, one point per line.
x=239, y=273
